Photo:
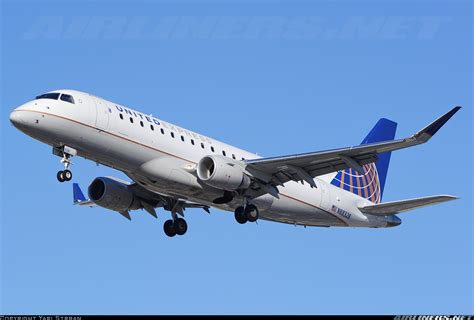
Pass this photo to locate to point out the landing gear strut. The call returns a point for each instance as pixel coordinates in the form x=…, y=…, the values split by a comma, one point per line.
x=66, y=153
x=174, y=227
x=248, y=213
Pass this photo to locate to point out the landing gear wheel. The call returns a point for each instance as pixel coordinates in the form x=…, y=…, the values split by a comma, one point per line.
x=180, y=226
x=67, y=174
x=169, y=229
x=240, y=216
x=60, y=176
x=251, y=213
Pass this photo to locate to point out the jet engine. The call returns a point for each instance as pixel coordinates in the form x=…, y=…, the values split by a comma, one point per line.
x=114, y=195
x=222, y=173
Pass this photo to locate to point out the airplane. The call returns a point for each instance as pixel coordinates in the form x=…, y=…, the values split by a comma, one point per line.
x=175, y=168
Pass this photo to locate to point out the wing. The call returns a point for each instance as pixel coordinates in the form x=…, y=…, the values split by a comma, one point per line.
x=390, y=208
x=169, y=203
x=304, y=167
x=148, y=200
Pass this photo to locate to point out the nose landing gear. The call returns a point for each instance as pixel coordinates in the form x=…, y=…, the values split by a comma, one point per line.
x=66, y=153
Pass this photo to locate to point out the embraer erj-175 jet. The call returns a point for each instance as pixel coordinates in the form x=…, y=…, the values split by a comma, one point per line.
x=175, y=168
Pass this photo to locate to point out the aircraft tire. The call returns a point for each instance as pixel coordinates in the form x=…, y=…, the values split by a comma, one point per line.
x=240, y=215
x=180, y=226
x=67, y=174
x=169, y=229
x=251, y=213
x=60, y=176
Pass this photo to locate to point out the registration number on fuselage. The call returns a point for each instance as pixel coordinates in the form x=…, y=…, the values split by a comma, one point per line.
x=341, y=212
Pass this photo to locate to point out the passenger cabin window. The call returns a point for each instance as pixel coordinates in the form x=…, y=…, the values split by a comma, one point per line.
x=131, y=120
x=202, y=145
x=233, y=156
x=52, y=95
x=182, y=138
x=141, y=123
x=152, y=127
x=212, y=149
x=67, y=98
x=162, y=131
x=223, y=152
x=192, y=142
x=121, y=116
x=172, y=134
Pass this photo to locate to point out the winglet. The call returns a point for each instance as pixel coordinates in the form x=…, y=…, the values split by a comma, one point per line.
x=78, y=196
x=429, y=131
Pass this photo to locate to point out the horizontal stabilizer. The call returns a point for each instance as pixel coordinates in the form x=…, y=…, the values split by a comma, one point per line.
x=394, y=207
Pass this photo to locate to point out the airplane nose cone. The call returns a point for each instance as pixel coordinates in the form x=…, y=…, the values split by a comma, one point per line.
x=393, y=221
x=16, y=118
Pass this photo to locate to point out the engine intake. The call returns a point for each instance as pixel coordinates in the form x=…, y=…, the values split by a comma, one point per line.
x=114, y=195
x=219, y=172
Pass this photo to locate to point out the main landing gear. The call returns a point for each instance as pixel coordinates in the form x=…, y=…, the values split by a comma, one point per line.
x=249, y=213
x=66, y=153
x=177, y=226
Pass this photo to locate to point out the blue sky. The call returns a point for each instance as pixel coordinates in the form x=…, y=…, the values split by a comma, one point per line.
x=273, y=77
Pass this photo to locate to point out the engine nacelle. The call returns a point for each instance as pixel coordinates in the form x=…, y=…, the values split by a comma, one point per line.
x=221, y=173
x=114, y=195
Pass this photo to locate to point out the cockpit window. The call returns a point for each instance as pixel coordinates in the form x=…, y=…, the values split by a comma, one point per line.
x=67, y=98
x=52, y=95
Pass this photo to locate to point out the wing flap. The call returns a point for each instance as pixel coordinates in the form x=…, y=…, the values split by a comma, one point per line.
x=394, y=207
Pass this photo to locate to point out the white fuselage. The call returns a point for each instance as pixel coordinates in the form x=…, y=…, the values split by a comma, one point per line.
x=162, y=158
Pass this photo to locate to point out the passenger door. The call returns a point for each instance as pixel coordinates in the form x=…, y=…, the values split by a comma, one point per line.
x=102, y=114
x=325, y=195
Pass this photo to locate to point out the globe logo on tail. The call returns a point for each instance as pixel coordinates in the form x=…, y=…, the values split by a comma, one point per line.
x=370, y=185
x=365, y=185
